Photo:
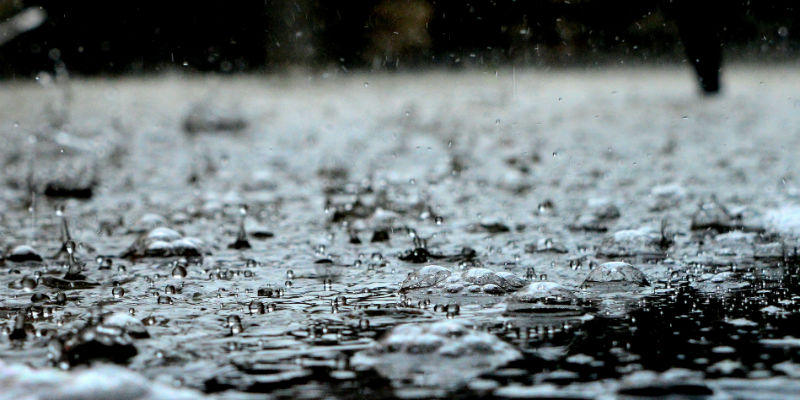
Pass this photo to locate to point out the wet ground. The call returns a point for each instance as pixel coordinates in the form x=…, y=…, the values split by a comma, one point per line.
x=605, y=234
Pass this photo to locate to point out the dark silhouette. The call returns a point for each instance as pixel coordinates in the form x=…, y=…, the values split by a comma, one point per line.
x=700, y=24
x=98, y=37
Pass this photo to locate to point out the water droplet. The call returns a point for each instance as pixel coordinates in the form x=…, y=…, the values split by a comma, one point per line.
x=28, y=283
x=256, y=307
x=179, y=272
x=118, y=292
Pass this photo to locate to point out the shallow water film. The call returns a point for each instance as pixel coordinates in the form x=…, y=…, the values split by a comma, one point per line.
x=519, y=234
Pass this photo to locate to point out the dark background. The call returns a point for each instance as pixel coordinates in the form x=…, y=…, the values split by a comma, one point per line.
x=112, y=37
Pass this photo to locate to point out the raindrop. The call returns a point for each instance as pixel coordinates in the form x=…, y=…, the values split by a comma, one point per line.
x=241, y=238
x=256, y=307
x=118, y=292
x=453, y=309
x=232, y=320
x=179, y=272
x=75, y=267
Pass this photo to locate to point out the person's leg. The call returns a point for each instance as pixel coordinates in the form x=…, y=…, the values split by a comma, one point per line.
x=700, y=27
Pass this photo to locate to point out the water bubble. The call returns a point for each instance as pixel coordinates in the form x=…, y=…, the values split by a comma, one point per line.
x=165, y=300
x=170, y=289
x=118, y=292
x=241, y=237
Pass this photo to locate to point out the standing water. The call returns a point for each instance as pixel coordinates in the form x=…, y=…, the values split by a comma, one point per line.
x=315, y=238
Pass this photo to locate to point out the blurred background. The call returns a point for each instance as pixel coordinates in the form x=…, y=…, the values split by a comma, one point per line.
x=119, y=37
